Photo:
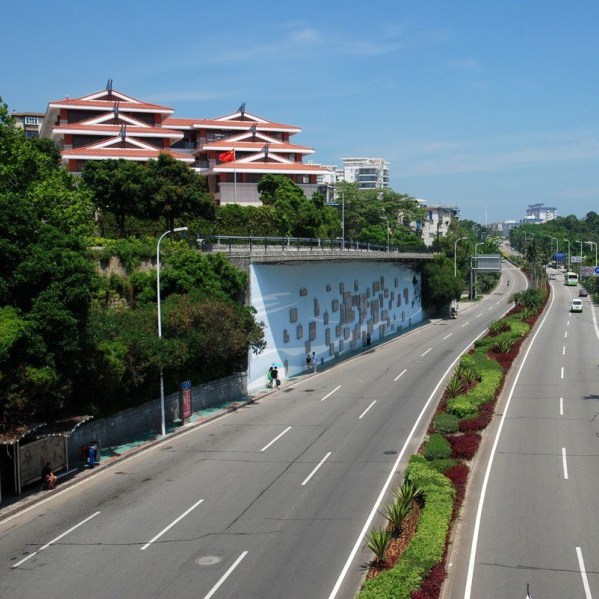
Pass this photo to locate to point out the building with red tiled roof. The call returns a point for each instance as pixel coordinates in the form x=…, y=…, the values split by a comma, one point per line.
x=109, y=125
x=233, y=151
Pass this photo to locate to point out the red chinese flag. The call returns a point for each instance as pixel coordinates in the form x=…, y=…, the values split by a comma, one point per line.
x=227, y=156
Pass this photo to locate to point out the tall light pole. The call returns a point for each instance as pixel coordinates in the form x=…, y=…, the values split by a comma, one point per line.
x=556, y=246
x=581, y=258
x=343, y=219
x=568, y=242
x=176, y=230
x=455, y=256
x=593, y=243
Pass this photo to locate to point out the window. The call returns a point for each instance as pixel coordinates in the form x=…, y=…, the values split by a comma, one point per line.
x=32, y=120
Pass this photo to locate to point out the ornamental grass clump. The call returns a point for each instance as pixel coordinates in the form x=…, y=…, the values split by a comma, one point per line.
x=504, y=345
x=454, y=387
x=408, y=492
x=395, y=513
x=497, y=326
x=378, y=542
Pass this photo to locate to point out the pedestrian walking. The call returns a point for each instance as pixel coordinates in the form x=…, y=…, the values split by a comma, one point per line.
x=368, y=339
x=269, y=377
x=308, y=363
x=275, y=375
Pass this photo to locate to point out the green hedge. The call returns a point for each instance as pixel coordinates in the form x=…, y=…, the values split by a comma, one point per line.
x=446, y=423
x=427, y=547
x=443, y=465
x=466, y=405
x=437, y=448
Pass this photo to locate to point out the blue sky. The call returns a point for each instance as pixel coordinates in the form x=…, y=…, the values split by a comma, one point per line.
x=487, y=106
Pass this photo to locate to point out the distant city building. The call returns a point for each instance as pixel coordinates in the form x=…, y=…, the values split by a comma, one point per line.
x=438, y=221
x=30, y=122
x=368, y=173
x=503, y=227
x=538, y=213
x=233, y=151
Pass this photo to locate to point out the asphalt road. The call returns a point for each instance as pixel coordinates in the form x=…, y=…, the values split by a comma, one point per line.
x=269, y=501
x=531, y=517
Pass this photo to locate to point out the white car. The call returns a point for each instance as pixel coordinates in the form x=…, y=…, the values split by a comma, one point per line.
x=576, y=305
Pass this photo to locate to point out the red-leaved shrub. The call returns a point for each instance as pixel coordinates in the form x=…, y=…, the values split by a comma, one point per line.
x=463, y=447
x=478, y=423
x=431, y=584
x=458, y=475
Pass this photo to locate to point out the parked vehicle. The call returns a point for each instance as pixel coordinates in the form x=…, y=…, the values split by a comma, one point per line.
x=576, y=305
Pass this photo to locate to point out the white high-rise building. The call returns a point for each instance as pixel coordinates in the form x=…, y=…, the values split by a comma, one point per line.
x=369, y=173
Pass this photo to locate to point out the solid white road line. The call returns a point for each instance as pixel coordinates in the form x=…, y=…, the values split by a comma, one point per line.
x=565, y=464
x=561, y=406
x=402, y=372
x=562, y=374
x=275, y=439
x=426, y=352
x=392, y=473
x=64, y=534
x=195, y=505
x=331, y=393
x=317, y=467
x=583, y=572
x=226, y=575
x=366, y=410
x=483, y=492
x=447, y=336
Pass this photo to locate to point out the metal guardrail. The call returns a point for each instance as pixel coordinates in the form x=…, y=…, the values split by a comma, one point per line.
x=238, y=243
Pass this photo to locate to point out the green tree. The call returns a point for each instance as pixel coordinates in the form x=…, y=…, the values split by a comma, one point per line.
x=120, y=187
x=176, y=191
x=439, y=285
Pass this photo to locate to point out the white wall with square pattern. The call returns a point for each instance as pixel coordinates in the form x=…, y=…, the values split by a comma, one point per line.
x=327, y=308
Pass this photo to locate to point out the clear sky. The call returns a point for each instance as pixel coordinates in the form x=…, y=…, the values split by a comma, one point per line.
x=489, y=106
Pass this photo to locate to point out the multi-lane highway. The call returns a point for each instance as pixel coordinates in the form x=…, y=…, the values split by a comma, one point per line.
x=270, y=501
x=531, y=517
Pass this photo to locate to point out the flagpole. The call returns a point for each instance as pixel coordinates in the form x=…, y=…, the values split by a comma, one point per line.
x=234, y=177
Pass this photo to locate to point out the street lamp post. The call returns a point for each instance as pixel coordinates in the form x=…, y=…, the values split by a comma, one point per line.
x=556, y=246
x=593, y=243
x=455, y=256
x=581, y=258
x=568, y=242
x=473, y=293
x=176, y=230
x=343, y=219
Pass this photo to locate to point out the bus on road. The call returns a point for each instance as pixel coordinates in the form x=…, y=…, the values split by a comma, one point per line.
x=571, y=278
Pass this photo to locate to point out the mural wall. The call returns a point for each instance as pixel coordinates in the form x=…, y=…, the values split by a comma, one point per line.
x=327, y=308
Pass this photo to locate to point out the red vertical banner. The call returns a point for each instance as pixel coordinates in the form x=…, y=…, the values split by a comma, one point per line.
x=184, y=400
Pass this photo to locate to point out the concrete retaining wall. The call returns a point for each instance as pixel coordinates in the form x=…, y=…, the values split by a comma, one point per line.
x=129, y=424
